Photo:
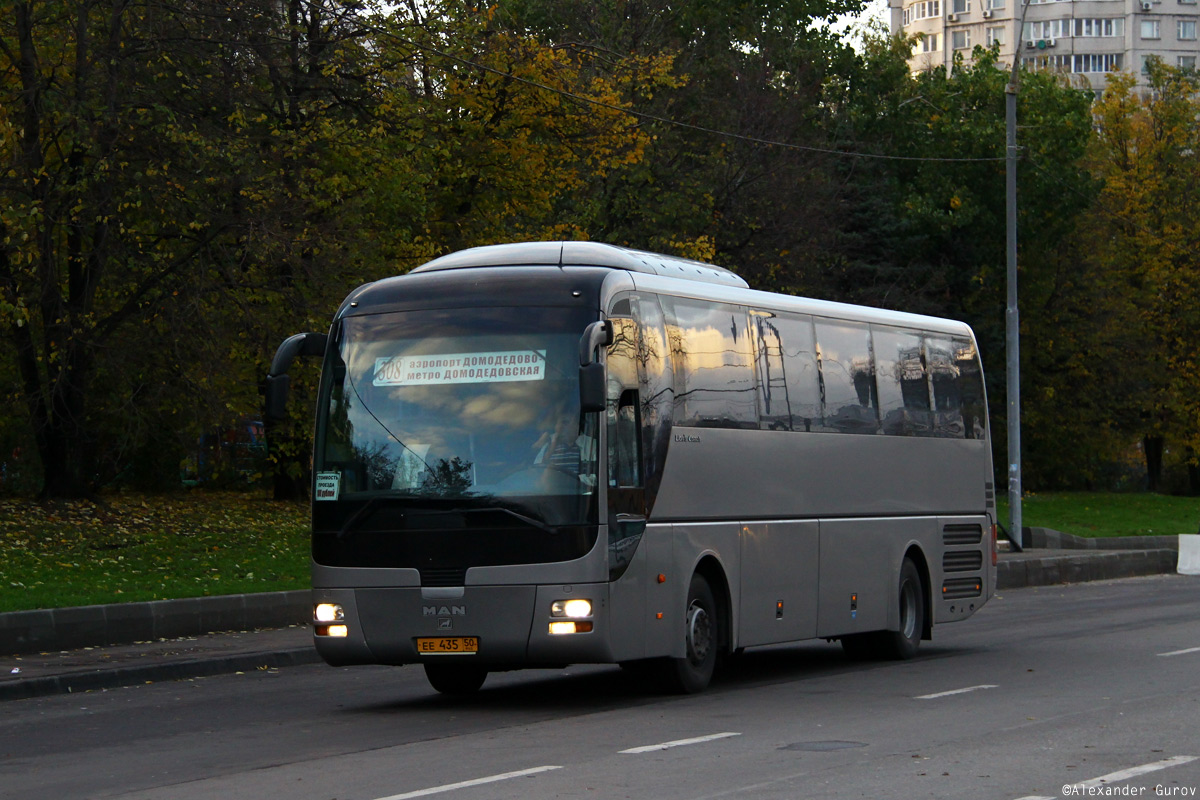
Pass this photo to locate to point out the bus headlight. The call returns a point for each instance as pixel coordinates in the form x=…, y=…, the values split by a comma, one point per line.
x=335, y=631
x=328, y=612
x=575, y=609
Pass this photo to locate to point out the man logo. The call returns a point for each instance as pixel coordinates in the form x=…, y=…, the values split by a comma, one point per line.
x=444, y=611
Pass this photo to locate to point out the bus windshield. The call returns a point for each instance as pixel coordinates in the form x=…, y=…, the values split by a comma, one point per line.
x=459, y=409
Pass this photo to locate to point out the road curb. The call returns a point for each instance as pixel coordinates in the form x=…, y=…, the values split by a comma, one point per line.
x=52, y=629
x=200, y=667
x=1049, y=570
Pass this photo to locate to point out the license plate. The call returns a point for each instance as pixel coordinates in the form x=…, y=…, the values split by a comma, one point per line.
x=448, y=645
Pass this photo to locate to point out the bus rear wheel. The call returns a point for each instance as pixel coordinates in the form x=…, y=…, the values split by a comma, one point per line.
x=900, y=644
x=456, y=679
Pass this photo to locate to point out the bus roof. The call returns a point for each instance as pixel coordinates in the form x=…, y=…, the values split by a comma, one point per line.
x=583, y=254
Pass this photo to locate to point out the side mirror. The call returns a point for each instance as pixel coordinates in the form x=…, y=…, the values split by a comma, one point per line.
x=275, y=395
x=275, y=387
x=598, y=334
x=592, y=392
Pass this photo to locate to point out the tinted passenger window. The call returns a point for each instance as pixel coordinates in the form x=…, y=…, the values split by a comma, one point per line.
x=970, y=388
x=714, y=365
x=847, y=378
x=903, y=386
x=944, y=387
x=789, y=386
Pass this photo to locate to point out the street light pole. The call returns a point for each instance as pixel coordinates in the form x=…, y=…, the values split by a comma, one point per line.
x=1012, y=317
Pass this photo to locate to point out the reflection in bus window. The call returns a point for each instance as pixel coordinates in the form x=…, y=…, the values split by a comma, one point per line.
x=944, y=389
x=900, y=375
x=714, y=366
x=789, y=391
x=970, y=389
x=847, y=380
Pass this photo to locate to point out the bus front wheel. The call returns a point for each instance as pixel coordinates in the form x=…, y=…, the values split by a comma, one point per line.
x=456, y=679
x=694, y=671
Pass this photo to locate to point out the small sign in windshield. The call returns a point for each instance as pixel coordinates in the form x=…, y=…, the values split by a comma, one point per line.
x=426, y=370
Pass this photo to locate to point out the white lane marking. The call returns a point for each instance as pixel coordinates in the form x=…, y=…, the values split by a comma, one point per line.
x=1181, y=652
x=1133, y=772
x=1120, y=775
x=464, y=784
x=650, y=748
x=956, y=691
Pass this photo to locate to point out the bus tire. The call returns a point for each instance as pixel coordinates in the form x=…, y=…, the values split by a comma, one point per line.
x=902, y=644
x=701, y=636
x=456, y=679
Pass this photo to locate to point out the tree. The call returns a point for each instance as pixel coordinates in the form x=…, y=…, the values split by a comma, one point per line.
x=1147, y=245
x=924, y=223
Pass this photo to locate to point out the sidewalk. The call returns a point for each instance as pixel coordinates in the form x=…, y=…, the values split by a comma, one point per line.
x=91, y=668
x=61, y=651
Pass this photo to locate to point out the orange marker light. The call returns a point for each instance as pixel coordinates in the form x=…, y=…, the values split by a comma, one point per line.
x=662, y=578
x=658, y=615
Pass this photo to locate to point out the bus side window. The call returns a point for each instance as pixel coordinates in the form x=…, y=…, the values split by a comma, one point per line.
x=714, y=364
x=944, y=386
x=901, y=378
x=848, y=376
x=789, y=394
x=628, y=472
x=970, y=388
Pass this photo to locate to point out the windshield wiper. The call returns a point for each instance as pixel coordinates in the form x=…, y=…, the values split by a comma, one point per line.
x=362, y=512
x=369, y=507
x=536, y=523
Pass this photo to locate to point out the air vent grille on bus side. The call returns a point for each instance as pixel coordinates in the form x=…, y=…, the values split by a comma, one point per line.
x=962, y=561
x=962, y=534
x=451, y=576
x=958, y=588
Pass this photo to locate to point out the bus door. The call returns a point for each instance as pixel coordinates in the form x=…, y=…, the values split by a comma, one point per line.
x=637, y=417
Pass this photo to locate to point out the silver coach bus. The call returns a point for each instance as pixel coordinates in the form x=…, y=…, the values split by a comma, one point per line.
x=540, y=454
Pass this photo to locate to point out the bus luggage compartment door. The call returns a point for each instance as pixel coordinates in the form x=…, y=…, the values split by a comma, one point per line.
x=779, y=582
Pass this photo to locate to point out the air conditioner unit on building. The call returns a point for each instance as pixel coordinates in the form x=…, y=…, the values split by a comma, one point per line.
x=1030, y=43
x=952, y=17
x=1051, y=42
x=1147, y=5
x=987, y=13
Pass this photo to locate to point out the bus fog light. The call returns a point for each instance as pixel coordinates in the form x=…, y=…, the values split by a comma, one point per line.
x=575, y=609
x=328, y=612
x=334, y=631
x=570, y=627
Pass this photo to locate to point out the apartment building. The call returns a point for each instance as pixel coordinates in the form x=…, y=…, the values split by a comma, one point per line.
x=1086, y=38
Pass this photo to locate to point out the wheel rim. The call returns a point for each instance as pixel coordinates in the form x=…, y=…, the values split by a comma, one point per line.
x=699, y=633
x=908, y=609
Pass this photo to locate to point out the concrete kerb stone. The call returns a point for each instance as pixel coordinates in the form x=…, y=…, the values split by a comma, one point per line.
x=46, y=630
x=1049, y=539
x=155, y=672
x=1083, y=566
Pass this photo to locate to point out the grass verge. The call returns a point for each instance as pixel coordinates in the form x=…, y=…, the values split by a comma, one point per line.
x=1104, y=514
x=143, y=547
x=133, y=547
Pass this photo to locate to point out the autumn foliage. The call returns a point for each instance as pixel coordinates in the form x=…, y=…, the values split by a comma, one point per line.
x=185, y=184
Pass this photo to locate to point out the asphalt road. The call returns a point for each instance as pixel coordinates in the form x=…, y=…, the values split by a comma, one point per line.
x=1090, y=689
